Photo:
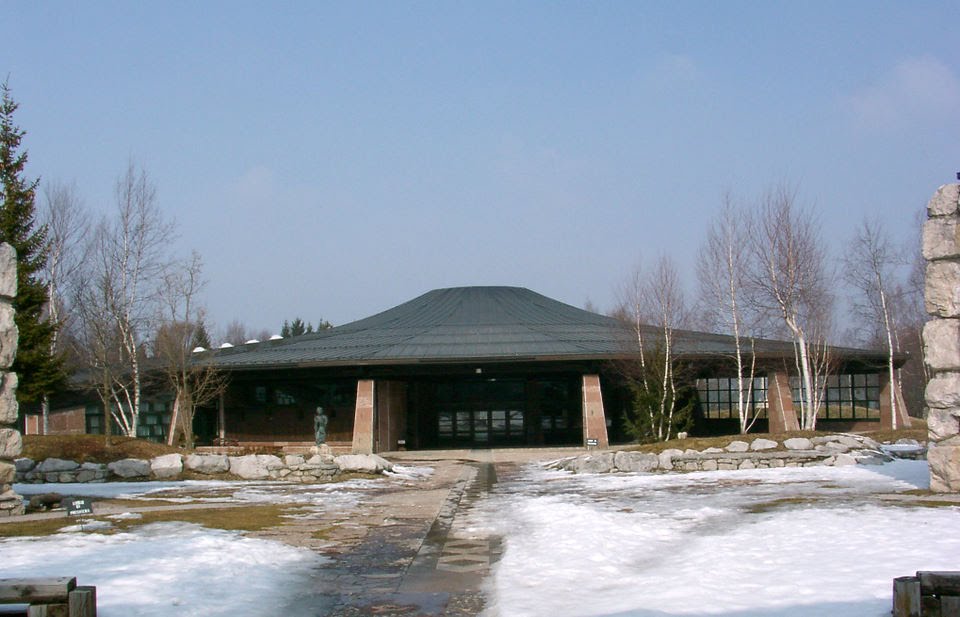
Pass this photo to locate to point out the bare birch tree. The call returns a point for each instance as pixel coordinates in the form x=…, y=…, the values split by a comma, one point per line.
x=789, y=279
x=655, y=307
x=870, y=266
x=721, y=272
x=68, y=226
x=128, y=257
x=194, y=379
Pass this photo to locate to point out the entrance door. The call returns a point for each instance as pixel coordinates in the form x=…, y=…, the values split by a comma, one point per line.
x=480, y=414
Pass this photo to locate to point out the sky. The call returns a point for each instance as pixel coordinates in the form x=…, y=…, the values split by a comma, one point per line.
x=332, y=160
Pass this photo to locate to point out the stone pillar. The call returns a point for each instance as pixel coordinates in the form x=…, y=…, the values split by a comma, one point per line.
x=363, y=418
x=594, y=419
x=781, y=415
x=10, y=441
x=886, y=416
x=941, y=336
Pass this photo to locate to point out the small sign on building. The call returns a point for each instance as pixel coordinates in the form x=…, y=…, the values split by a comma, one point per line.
x=593, y=442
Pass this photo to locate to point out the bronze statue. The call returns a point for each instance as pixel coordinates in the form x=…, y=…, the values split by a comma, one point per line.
x=320, y=427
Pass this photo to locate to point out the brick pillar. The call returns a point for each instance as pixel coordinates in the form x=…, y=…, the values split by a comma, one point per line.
x=363, y=418
x=886, y=415
x=781, y=415
x=594, y=419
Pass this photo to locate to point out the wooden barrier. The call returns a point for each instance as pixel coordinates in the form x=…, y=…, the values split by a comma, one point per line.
x=928, y=594
x=50, y=597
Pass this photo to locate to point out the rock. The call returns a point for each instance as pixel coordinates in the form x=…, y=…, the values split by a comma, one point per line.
x=872, y=458
x=8, y=473
x=835, y=446
x=709, y=465
x=56, y=464
x=903, y=441
x=737, y=446
x=941, y=344
x=636, y=461
x=945, y=201
x=130, y=468
x=9, y=408
x=10, y=443
x=254, y=466
x=8, y=271
x=850, y=441
x=8, y=336
x=747, y=464
x=942, y=423
x=366, y=463
x=843, y=460
x=666, y=458
x=941, y=238
x=24, y=464
x=45, y=501
x=944, y=469
x=712, y=451
x=942, y=294
x=167, y=466
x=798, y=443
x=208, y=463
x=943, y=391
x=293, y=460
x=763, y=444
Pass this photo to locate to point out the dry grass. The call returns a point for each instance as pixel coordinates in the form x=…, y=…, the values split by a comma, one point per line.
x=91, y=448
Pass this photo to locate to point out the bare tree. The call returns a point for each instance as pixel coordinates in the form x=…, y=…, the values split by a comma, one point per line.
x=657, y=298
x=68, y=226
x=871, y=266
x=128, y=258
x=194, y=379
x=789, y=279
x=721, y=272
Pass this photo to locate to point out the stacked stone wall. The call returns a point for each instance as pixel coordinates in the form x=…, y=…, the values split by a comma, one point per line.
x=10, y=440
x=941, y=336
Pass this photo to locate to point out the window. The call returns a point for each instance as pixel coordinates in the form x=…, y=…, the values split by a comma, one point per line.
x=846, y=397
x=719, y=397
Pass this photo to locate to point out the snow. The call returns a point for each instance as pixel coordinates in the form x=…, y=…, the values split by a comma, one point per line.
x=166, y=569
x=791, y=542
x=712, y=543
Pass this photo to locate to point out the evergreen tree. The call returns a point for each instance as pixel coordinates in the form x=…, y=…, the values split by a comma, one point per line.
x=201, y=338
x=38, y=369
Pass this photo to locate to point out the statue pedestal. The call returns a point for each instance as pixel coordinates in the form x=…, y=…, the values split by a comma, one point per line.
x=323, y=450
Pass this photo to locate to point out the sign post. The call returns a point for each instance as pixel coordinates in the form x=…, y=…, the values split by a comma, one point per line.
x=79, y=507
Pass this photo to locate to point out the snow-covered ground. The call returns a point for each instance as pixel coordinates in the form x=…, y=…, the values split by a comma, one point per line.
x=779, y=542
x=181, y=569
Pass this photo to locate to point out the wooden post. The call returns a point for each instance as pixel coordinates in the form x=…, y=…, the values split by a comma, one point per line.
x=906, y=596
x=83, y=601
x=36, y=590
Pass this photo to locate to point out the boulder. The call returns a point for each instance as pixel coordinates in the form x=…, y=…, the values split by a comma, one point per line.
x=636, y=461
x=942, y=423
x=166, y=466
x=56, y=464
x=8, y=473
x=254, y=466
x=737, y=446
x=8, y=335
x=944, y=469
x=942, y=294
x=843, y=460
x=24, y=464
x=941, y=344
x=8, y=271
x=208, y=463
x=9, y=408
x=666, y=458
x=945, y=201
x=130, y=468
x=10, y=443
x=943, y=390
x=762, y=444
x=293, y=460
x=941, y=238
x=798, y=443
x=363, y=463
x=712, y=451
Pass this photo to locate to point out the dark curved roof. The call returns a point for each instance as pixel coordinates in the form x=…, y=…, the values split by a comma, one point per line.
x=472, y=324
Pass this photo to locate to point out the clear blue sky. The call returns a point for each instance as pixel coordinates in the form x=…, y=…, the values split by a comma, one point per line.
x=335, y=159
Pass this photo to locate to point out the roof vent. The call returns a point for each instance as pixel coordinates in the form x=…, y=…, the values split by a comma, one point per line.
x=226, y=346
x=275, y=337
x=198, y=349
x=251, y=341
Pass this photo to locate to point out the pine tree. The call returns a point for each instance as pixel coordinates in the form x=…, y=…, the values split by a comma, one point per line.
x=38, y=369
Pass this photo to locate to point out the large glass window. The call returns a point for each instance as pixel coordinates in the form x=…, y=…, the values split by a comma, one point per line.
x=847, y=397
x=719, y=396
